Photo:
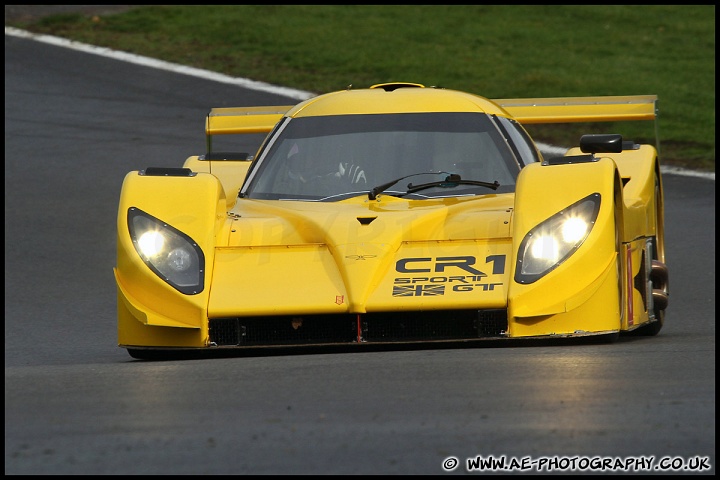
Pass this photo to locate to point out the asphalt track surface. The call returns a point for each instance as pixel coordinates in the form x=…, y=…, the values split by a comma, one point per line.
x=75, y=403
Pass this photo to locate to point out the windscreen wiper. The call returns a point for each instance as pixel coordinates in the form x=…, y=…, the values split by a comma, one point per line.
x=451, y=181
x=372, y=194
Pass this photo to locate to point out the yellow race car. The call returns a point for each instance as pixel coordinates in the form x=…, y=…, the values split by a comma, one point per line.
x=394, y=214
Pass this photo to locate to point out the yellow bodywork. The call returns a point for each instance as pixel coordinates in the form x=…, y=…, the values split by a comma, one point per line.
x=358, y=255
x=318, y=257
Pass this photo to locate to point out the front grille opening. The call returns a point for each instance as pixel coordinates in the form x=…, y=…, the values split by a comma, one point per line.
x=388, y=327
x=284, y=330
x=434, y=325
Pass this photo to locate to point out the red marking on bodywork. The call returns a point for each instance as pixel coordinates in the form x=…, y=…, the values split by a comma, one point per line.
x=629, y=288
x=359, y=328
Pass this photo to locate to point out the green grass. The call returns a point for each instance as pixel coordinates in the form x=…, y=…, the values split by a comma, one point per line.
x=494, y=51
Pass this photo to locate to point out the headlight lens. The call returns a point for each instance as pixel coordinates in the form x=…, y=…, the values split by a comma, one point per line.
x=172, y=255
x=551, y=242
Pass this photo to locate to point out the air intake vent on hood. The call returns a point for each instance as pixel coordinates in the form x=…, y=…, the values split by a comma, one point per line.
x=366, y=220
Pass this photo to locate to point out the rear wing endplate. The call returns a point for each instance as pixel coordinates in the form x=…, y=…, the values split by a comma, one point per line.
x=581, y=109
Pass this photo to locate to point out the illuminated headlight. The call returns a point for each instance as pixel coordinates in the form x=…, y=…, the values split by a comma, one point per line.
x=550, y=243
x=168, y=252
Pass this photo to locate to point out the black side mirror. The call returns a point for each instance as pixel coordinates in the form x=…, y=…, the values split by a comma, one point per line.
x=601, y=143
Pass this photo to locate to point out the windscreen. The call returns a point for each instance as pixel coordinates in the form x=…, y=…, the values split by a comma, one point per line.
x=333, y=157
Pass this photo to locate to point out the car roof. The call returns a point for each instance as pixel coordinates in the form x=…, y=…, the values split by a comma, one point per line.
x=394, y=98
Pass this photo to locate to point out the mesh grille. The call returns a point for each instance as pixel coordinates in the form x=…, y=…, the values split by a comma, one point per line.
x=394, y=327
x=283, y=330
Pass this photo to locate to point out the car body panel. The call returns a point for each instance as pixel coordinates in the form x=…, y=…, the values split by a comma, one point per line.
x=354, y=247
x=230, y=173
x=568, y=287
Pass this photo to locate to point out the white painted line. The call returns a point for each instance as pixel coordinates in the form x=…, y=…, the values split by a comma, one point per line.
x=669, y=169
x=159, y=64
x=244, y=82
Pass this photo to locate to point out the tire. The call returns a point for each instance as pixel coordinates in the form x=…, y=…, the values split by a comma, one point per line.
x=143, y=354
x=659, y=275
x=168, y=354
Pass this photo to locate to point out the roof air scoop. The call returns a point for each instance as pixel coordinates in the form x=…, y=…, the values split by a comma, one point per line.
x=389, y=87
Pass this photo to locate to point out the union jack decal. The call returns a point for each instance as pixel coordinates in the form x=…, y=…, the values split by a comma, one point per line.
x=418, y=290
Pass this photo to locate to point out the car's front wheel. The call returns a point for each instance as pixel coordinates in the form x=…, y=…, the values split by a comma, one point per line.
x=659, y=277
